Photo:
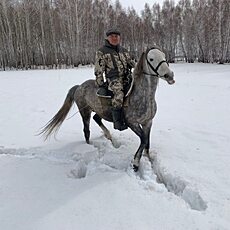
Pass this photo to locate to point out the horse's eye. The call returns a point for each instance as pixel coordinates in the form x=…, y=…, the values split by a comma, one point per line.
x=151, y=59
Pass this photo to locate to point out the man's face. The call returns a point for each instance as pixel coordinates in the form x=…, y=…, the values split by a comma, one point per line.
x=114, y=39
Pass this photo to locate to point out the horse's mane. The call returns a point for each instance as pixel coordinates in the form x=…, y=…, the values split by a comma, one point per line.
x=139, y=66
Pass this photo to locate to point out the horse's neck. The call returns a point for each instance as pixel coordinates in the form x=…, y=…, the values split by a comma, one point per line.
x=146, y=84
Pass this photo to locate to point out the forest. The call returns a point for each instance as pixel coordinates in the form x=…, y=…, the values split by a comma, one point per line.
x=67, y=33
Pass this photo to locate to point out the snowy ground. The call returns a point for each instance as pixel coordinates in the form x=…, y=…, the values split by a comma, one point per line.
x=65, y=184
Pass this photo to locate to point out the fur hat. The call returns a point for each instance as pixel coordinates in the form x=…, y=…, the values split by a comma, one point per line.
x=112, y=31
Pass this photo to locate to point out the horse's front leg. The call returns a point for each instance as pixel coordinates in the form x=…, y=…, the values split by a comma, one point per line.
x=139, y=131
x=147, y=129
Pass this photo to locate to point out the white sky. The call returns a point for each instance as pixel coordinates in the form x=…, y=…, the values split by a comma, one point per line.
x=138, y=5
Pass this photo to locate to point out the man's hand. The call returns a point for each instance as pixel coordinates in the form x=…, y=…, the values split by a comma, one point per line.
x=99, y=81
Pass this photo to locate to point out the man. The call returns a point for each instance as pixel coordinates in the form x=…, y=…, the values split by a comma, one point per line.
x=113, y=61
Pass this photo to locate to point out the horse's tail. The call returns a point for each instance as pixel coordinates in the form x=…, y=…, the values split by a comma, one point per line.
x=55, y=123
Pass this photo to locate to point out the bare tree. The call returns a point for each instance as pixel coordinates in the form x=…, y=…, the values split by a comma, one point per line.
x=53, y=33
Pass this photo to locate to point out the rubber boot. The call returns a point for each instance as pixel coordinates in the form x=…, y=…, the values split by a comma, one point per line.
x=118, y=119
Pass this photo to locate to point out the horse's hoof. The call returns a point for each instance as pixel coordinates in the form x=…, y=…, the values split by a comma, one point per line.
x=135, y=168
x=135, y=164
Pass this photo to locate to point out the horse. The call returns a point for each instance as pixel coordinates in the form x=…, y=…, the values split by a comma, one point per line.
x=140, y=106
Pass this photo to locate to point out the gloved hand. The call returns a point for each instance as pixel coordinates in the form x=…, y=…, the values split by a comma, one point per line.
x=99, y=81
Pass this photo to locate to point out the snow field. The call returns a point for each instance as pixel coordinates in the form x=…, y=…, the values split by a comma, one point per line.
x=68, y=184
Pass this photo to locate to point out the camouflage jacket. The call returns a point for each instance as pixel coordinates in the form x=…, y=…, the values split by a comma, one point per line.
x=112, y=62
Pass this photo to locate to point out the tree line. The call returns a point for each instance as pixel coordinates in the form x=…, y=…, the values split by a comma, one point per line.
x=57, y=33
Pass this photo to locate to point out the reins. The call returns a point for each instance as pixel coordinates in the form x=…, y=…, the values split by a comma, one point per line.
x=76, y=112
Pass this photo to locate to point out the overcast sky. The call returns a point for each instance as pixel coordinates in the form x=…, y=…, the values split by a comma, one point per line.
x=138, y=5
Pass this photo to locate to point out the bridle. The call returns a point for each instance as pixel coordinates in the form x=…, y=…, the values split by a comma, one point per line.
x=150, y=65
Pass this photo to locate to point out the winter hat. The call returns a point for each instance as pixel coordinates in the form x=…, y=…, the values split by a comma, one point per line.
x=113, y=31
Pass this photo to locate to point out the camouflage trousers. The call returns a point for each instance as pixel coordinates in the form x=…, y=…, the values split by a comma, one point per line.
x=116, y=86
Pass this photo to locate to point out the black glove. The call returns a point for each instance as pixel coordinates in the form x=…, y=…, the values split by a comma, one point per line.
x=99, y=81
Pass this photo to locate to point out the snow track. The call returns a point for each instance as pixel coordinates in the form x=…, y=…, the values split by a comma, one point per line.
x=152, y=174
x=154, y=177
x=178, y=186
x=104, y=156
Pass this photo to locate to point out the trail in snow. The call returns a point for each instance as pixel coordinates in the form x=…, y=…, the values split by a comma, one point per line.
x=105, y=156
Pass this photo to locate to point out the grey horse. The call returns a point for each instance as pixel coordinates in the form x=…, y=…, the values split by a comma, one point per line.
x=139, y=107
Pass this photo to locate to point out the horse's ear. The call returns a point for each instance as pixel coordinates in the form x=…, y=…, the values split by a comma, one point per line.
x=156, y=47
x=139, y=66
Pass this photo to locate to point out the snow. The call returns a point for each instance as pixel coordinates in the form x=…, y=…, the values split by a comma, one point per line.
x=67, y=184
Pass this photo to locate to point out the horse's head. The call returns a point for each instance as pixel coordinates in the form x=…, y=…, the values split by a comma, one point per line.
x=155, y=64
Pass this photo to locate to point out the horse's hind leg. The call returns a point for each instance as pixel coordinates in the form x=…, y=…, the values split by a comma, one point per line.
x=106, y=132
x=86, y=114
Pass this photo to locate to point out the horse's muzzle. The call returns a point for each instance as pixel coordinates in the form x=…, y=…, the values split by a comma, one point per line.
x=169, y=78
x=171, y=82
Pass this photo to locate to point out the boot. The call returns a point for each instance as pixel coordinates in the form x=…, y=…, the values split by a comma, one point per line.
x=118, y=119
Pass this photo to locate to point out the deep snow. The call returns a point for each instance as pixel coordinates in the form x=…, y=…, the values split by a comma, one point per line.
x=67, y=184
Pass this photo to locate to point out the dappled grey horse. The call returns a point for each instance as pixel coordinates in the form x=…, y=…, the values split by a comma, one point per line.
x=140, y=106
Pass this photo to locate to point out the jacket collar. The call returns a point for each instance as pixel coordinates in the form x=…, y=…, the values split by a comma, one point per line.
x=116, y=48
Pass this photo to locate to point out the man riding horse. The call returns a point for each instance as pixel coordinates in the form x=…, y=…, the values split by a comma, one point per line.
x=114, y=61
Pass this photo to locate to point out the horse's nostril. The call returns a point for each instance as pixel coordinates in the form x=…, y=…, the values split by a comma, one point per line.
x=169, y=75
x=166, y=76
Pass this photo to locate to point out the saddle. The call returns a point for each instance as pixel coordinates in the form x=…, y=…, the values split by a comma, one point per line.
x=104, y=92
